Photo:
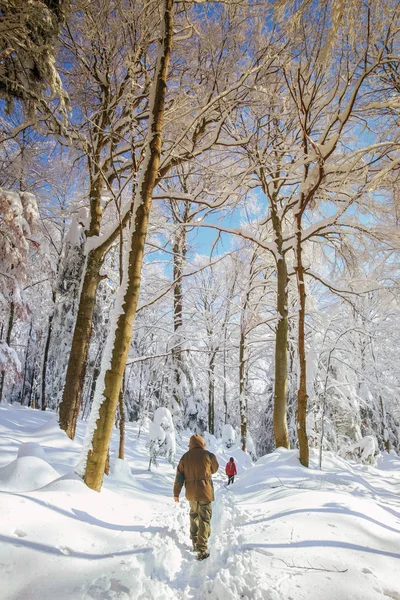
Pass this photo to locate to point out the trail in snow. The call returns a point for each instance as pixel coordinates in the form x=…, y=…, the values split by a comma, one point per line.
x=281, y=531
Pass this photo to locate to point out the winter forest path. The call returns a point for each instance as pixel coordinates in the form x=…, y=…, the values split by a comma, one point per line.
x=280, y=531
x=227, y=573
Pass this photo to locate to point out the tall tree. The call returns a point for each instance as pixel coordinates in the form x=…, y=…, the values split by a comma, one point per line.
x=107, y=71
x=116, y=353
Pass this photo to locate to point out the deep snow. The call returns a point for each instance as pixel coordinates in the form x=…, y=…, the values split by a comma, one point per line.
x=280, y=532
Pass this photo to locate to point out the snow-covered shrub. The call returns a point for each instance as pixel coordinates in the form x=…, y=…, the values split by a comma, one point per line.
x=144, y=425
x=66, y=307
x=195, y=411
x=155, y=442
x=18, y=219
x=251, y=449
x=19, y=214
x=364, y=450
x=161, y=440
x=211, y=441
x=9, y=359
x=228, y=436
x=121, y=470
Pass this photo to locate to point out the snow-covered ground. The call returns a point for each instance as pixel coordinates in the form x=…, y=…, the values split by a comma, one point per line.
x=280, y=532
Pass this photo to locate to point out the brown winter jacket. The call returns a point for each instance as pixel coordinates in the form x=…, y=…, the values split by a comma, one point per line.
x=195, y=470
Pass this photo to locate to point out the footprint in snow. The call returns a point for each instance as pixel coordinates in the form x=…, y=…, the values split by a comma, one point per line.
x=65, y=550
x=389, y=593
x=107, y=589
x=20, y=533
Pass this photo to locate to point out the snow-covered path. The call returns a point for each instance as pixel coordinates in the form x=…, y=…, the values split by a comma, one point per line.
x=280, y=532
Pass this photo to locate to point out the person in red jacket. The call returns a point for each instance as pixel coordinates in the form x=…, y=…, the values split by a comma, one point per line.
x=230, y=470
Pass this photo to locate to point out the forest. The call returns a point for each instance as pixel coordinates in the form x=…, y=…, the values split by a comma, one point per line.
x=199, y=212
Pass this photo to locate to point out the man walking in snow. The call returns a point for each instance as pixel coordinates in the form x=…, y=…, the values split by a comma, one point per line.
x=195, y=470
x=230, y=470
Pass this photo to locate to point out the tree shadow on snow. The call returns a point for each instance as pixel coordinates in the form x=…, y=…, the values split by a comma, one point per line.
x=322, y=544
x=84, y=517
x=68, y=551
x=332, y=508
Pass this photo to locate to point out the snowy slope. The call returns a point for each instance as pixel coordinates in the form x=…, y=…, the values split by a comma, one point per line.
x=280, y=532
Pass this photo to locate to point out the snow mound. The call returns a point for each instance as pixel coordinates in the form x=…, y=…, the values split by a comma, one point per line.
x=26, y=474
x=211, y=441
x=32, y=449
x=330, y=461
x=281, y=456
x=68, y=483
x=121, y=471
x=388, y=462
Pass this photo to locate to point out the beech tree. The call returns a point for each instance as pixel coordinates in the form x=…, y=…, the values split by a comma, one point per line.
x=193, y=126
x=104, y=407
x=326, y=96
x=108, y=86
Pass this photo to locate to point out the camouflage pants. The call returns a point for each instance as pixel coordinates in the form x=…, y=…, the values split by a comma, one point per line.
x=200, y=528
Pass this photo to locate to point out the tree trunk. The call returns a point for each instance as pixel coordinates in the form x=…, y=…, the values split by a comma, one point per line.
x=242, y=390
x=32, y=391
x=225, y=326
x=211, y=395
x=35, y=372
x=46, y=354
x=91, y=391
x=242, y=356
x=179, y=251
x=302, y=397
x=321, y=439
x=8, y=342
x=76, y=370
x=386, y=440
x=118, y=343
x=22, y=395
x=281, y=433
x=280, y=390
x=225, y=391
x=122, y=420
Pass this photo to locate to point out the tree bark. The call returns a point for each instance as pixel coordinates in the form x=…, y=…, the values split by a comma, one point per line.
x=179, y=250
x=8, y=342
x=22, y=395
x=225, y=327
x=225, y=390
x=386, y=440
x=46, y=353
x=32, y=391
x=122, y=420
x=281, y=432
x=120, y=339
x=280, y=389
x=242, y=390
x=90, y=395
x=302, y=397
x=243, y=357
x=76, y=370
x=211, y=395
x=35, y=373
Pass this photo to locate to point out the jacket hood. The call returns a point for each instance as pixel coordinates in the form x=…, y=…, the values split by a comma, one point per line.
x=196, y=441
